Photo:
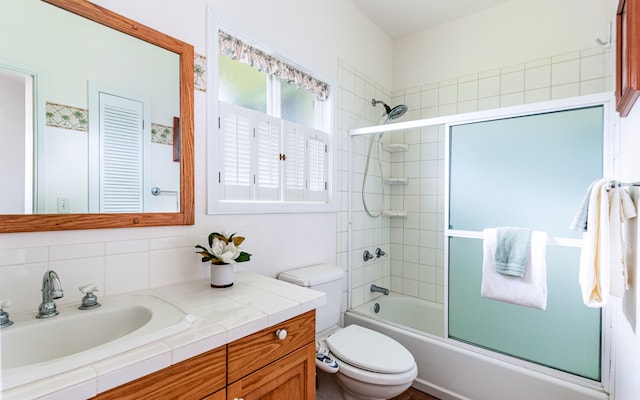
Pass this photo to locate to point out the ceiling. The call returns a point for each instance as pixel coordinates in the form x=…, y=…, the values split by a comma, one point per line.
x=401, y=17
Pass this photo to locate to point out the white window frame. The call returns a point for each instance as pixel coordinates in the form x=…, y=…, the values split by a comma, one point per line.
x=214, y=142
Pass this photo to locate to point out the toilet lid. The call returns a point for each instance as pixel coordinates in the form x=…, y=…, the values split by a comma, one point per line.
x=370, y=350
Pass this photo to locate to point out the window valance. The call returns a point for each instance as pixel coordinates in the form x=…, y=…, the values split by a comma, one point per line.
x=243, y=52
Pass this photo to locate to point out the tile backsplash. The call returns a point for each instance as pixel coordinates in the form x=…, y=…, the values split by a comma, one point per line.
x=114, y=266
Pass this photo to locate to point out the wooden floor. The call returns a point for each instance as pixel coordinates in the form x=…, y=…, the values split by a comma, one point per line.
x=414, y=394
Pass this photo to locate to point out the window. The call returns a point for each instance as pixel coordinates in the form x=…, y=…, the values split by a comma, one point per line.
x=272, y=139
x=241, y=84
x=263, y=158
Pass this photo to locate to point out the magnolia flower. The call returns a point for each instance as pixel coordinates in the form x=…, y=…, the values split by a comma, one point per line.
x=223, y=250
x=227, y=252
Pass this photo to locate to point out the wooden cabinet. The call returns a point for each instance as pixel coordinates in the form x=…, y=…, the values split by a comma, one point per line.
x=292, y=377
x=264, y=366
x=194, y=378
x=262, y=348
x=219, y=395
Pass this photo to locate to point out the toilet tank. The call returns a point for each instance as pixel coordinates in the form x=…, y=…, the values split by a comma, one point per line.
x=325, y=278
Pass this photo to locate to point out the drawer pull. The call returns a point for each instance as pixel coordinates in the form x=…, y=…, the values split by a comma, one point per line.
x=281, y=334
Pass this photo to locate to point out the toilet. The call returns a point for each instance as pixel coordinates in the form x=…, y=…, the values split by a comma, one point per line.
x=371, y=365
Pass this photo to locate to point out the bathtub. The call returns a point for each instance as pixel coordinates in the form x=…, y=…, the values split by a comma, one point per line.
x=450, y=371
x=400, y=311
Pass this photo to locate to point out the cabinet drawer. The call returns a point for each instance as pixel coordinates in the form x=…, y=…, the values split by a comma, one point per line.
x=253, y=352
x=194, y=378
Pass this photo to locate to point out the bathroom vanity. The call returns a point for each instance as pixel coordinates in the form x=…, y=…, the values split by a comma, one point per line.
x=260, y=366
x=254, y=340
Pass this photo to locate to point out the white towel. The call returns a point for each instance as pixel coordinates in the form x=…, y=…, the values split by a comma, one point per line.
x=531, y=289
x=603, y=272
x=592, y=282
x=580, y=220
x=621, y=209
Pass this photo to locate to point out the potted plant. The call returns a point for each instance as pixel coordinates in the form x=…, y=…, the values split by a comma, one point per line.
x=222, y=254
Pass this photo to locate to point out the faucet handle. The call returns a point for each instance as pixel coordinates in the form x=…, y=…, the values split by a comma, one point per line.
x=88, y=288
x=89, y=300
x=4, y=316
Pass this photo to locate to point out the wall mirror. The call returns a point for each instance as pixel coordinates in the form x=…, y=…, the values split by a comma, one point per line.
x=96, y=120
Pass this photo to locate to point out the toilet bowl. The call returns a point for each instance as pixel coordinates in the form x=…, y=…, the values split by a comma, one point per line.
x=371, y=366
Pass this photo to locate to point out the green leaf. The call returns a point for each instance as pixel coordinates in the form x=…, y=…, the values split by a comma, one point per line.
x=244, y=256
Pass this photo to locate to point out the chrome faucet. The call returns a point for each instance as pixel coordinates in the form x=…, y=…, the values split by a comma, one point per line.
x=51, y=289
x=378, y=289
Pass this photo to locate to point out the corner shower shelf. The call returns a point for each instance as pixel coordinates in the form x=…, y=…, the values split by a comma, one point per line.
x=395, y=147
x=396, y=181
x=394, y=213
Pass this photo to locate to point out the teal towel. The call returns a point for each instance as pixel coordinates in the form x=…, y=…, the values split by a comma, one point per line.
x=512, y=250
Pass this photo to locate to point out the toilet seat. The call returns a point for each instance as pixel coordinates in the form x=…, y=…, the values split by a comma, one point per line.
x=370, y=356
x=376, y=378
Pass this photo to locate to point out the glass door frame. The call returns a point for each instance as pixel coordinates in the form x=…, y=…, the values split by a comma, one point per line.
x=609, y=168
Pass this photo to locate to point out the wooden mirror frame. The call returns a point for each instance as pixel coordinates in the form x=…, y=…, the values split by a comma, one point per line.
x=627, y=55
x=55, y=222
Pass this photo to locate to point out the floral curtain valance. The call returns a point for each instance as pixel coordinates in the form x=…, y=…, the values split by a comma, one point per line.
x=245, y=53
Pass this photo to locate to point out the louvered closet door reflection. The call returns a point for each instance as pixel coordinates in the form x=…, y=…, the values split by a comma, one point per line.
x=121, y=155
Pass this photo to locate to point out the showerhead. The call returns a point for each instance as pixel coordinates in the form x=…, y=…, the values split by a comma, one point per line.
x=391, y=113
x=397, y=111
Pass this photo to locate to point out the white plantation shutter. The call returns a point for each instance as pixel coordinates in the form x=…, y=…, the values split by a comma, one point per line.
x=121, y=154
x=236, y=130
x=317, y=167
x=294, y=163
x=268, y=158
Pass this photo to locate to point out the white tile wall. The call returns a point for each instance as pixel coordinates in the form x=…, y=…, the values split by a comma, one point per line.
x=415, y=262
x=355, y=110
x=115, y=267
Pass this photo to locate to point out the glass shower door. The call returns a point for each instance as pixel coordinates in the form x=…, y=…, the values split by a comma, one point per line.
x=530, y=171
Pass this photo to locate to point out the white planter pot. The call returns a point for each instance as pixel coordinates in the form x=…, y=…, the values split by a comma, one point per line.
x=222, y=275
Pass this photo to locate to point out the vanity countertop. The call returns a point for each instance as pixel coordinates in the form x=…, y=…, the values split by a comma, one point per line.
x=217, y=317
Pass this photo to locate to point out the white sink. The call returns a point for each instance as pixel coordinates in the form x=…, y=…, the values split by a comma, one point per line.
x=35, y=348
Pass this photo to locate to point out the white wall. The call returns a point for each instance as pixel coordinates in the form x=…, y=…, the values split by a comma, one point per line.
x=627, y=385
x=12, y=153
x=317, y=34
x=68, y=62
x=314, y=33
x=511, y=33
